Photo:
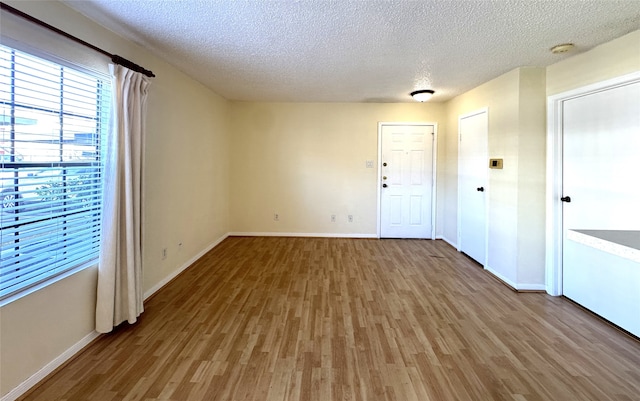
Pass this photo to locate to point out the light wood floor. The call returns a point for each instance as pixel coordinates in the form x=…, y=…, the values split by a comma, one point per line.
x=346, y=319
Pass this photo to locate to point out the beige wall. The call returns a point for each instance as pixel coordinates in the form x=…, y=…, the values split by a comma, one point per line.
x=306, y=161
x=186, y=192
x=212, y=166
x=531, y=177
x=613, y=59
x=517, y=133
x=515, y=103
x=36, y=329
x=500, y=96
x=186, y=171
x=610, y=60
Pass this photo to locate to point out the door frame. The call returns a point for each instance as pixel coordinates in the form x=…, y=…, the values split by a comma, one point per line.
x=555, y=103
x=434, y=154
x=487, y=186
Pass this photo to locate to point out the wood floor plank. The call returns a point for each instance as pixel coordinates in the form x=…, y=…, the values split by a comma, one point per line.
x=319, y=319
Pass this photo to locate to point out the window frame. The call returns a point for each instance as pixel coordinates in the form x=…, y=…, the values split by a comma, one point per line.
x=102, y=106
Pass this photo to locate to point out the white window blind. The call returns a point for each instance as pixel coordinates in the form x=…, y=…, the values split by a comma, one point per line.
x=51, y=124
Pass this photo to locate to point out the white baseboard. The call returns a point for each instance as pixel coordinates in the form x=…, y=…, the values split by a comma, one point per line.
x=321, y=235
x=448, y=241
x=182, y=268
x=516, y=286
x=502, y=278
x=68, y=354
x=50, y=367
x=531, y=287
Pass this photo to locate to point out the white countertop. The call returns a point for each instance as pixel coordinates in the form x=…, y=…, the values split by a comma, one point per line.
x=623, y=243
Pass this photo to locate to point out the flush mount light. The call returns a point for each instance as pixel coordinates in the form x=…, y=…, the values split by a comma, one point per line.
x=422, y=95
x=563, y=48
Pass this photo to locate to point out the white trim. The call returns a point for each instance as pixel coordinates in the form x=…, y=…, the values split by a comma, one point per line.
x=378, y=185
x=434, y=181
x=57, y=274
x=553, y=252
x=530, y=287
x=484, y=263
x=306, y=235
x=553, y=247
x=448, y=241
x=93, y=263
x=44, y=54
x=434, y=156
x=182, y=268
x=502, y=278
x=516, y=286
x=49, y=368
x=77, y=347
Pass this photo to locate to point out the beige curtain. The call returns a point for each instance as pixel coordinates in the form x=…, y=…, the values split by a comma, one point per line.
x=120, y=293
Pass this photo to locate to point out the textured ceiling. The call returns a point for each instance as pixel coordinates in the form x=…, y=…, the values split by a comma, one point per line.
x=358, y=51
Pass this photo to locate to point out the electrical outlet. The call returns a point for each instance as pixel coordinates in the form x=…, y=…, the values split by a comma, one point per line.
x=333, y=218
x=350, y=218
x=164, y=253
x=276, y=217
x=369, y=163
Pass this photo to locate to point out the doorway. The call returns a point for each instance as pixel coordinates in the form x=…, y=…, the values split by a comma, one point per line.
x=472, y=184
x=407, y=177
x=593, y=227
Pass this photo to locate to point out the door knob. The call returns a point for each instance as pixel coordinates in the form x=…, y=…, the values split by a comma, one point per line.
x=566, y=199
x=384, y=164
x=481, y=189
x=384, y=185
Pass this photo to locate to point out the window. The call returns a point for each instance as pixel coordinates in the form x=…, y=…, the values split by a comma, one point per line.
x=52, y=119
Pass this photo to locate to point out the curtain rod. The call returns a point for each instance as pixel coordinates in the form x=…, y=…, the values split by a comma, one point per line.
x=114, y=58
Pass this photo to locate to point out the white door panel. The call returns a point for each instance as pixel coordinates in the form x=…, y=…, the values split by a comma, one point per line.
x=472, y=185
x=601, y=170
x=601, y=160
x=406, y=180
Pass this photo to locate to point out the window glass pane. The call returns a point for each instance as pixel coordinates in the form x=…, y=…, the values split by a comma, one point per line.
x=37, y=83
x=5, y=78
x=80, y=94
x=79, y=139
x=51, y=124
x=37, y=135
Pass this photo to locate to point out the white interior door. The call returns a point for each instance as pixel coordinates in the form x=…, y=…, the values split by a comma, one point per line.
x=473, y=163
x=601, y=193
x=406, y=181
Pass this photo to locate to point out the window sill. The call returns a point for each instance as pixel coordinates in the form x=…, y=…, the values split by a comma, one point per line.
x=52, y=280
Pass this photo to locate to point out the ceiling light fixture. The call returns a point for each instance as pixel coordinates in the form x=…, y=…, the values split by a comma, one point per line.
x=563, y=48
x=422, y=95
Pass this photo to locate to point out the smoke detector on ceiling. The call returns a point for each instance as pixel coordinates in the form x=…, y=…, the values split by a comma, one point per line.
x=563, y=48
